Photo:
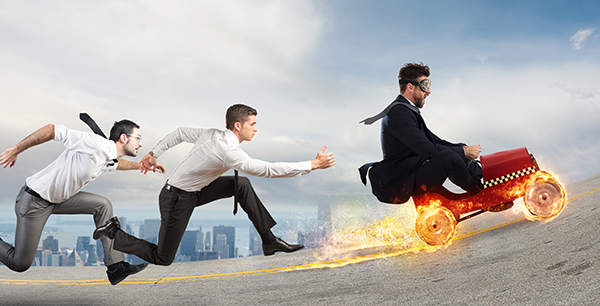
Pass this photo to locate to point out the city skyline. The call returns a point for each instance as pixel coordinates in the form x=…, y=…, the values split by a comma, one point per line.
x=77, y=229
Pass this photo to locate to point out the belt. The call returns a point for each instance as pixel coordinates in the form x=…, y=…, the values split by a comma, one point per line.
x=32, y=192
x=177, y=190
x=181, y=191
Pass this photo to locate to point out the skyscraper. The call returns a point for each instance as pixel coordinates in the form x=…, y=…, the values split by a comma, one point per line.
x=74, y=260
x=82, y=243
x=50, y=244
x=221, y=246
x=123, y=222
x=200, y=240
x=254, y=243
x=87, y=251
x=229, y=232
x=189, y=243
x=151, y=228
x=207, y=242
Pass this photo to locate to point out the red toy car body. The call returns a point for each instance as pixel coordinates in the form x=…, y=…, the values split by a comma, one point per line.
x=507, y=176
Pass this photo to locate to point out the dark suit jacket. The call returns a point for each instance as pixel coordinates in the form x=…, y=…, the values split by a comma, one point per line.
x=406, y=143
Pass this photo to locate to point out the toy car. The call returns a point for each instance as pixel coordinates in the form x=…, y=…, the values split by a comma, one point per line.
x=507, y=176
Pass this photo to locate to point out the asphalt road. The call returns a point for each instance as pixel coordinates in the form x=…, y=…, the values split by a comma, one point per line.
x=496, y=258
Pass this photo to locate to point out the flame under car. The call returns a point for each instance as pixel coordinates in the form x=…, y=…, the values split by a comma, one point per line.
x=507, y=176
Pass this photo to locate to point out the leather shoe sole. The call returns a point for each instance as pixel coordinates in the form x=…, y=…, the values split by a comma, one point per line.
x=105, y=229
x=122, y=270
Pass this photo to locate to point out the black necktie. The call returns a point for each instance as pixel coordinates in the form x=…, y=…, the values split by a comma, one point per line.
x=91, y=123
x=95, y=128
x=235, y=188
x=399, y=100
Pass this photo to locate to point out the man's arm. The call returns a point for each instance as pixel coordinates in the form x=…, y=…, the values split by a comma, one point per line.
x=172, y=139
x=9, y=157
x=129, y=165
x=238, y=159
x=404, y=126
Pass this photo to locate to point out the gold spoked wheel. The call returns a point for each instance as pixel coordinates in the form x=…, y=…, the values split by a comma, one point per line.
x=435, y=225
x=544, y=196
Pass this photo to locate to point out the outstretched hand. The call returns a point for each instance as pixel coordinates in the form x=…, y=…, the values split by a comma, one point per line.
x=8, y=158
x=158, y=168
x=150, y=163
x=323, y=160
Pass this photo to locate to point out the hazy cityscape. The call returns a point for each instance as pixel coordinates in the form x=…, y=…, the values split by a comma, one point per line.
x=66, y=241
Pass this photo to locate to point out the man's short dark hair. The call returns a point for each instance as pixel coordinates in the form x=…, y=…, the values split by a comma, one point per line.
x=122, y=127
x=238, y=113
x=411, y=72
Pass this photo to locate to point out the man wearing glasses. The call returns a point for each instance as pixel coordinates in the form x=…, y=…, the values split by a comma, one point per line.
x=416, y=161
x=198, y=181
x=56, y=189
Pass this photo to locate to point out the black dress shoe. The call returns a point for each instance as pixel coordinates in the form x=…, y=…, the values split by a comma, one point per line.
x=280, y=246
x=105, y=229
x=119, y=271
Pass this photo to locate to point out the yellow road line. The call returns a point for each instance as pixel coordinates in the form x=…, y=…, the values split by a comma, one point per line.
x=315, y=265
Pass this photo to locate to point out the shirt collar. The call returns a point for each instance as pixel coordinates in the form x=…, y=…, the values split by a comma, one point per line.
x=112, y=150
x=408, y=104
x=407, y=99
x=231, y=137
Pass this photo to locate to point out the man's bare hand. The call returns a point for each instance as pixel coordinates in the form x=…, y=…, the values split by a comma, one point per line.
x=472, y=152
x=8, y=158
x=323, y=161
x=158, y=168
x=149, y=163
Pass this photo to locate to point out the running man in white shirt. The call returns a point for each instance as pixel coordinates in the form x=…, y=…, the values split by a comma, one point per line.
x=56, y=189
x=198, y=181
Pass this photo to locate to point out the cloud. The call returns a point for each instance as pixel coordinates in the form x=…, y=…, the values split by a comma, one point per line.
x=579, y=93
x=174, y=64
x=580, y=37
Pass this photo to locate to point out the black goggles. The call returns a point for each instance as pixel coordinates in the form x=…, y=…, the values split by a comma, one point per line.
x=425, y=84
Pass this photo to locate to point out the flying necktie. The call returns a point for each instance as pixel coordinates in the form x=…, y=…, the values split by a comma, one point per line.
x=95, y=128
x=400, y=100
x=91, y=123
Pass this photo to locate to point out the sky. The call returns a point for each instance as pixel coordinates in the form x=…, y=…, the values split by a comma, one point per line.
x=505, y=75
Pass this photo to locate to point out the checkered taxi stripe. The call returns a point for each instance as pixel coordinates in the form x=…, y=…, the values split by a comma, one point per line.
x=508, y=177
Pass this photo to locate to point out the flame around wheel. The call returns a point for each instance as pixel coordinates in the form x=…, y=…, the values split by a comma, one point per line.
x=544, y=196
x=435, y=225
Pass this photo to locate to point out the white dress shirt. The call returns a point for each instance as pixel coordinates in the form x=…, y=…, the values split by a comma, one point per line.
x=214, y=153
x=87, y=155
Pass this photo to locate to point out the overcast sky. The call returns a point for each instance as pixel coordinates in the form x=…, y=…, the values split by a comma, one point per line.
x=505, y=75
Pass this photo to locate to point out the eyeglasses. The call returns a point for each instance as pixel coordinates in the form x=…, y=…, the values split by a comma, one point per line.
x=425, y=84
x=139, y=137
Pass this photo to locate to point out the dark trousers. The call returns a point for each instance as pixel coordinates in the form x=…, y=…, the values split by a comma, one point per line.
x=448, y=165
x=176, y=207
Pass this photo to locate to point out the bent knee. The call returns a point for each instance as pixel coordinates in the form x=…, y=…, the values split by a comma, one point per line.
x=242, y=180
x=103, y=204
x=164, y=261
x=19, y=267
